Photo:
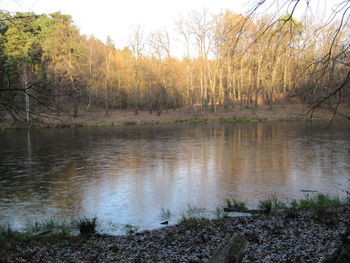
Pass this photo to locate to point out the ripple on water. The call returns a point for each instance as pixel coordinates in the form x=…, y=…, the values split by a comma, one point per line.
x=128, y=174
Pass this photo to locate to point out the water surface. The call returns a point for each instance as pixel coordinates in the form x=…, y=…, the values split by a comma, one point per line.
x=126, y=175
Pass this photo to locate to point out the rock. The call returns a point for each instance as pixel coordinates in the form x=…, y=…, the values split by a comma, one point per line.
x=231, y=250
x=248, y=211
x=301, y=239
x=342, y=254
x=43, y=233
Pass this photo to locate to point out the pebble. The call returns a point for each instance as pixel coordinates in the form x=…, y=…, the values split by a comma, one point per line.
x=272, y=238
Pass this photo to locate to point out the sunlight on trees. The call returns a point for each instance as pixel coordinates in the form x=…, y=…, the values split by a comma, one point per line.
x=232, y=60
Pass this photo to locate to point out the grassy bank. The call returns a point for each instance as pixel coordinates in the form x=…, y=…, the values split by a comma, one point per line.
x=178, y=116
x=320, y=205
x=320, y=218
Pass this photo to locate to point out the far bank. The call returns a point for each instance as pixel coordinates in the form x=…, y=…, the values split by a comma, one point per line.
x=97, y=117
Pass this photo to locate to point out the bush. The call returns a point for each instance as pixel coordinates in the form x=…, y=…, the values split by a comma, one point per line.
x=7, y=233
x=130, y=123
x=271, y=205
x=236, y=205
x=193, y=211
x=87, y=226
x=320, y=204
x=265, y=206
x=52, y=225
x=165, y=214
x=220, y=212
x=130, y=229
x=192, y=223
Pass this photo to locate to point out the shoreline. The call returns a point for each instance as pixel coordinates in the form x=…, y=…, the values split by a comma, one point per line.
x=302, y=231
x=291, y=112
x=272, y=238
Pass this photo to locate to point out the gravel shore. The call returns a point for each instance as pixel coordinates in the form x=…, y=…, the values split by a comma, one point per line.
x=288, y=237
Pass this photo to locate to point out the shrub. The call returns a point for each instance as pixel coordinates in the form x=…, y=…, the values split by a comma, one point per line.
x=271, y=205
x=130, y=122
x=165, y=214
x=236, y=205
x=192, y=223
x=220, y=212
x=320, y=204
x=6, y=232
x=87, y=226
x=265, y=206
x=193, y=211
x=320, y=201
x=51, y=225
x=130, y=229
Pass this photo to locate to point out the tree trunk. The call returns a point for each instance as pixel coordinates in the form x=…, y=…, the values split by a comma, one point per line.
x=75, y=100
x=273, y=84
x=136, y=101
x=106, y=98
x=25, y=81
x=285, y=81
x=202, y=88
x=241, y=85
x=231, y=250
x=2, y=80
x=75, y=115
x=56, y=94
x=27, y=104
x=227, y=87
x=89, y=80
x=249, y=92
x=257, y=85
x=342, y=254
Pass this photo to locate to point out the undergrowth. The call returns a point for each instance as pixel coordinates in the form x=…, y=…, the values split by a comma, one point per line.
x=235, y=205
x=86, y=226
x=319, y=203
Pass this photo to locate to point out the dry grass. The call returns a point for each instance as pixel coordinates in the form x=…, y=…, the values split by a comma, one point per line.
x=291, y=112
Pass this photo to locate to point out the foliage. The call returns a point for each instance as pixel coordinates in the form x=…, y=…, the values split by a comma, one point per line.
x=193, y=211
x=52, y=226
x=220, y=213
x=8, y=233
x=7, y=236
x=130, y=229
x=235, y=204
x=192, y=223
x=22, y=40
x=227, y=61
x=165, y=214
x=49, y=227
x=319, y=201
x=319, y=204
x=271, y=205
x=86, y=226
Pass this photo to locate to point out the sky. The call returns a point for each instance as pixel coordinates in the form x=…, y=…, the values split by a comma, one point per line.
x=115, y=18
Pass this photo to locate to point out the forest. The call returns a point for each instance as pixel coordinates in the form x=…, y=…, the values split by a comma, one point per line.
x=48, y=68
x=223, y=139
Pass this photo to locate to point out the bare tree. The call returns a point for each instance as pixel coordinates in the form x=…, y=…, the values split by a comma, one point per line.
x=202, y=28
x=328, y=73
x=183, y=28
x=136, y=43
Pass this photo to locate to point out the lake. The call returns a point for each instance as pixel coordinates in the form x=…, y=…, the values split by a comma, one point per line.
x=127, y=175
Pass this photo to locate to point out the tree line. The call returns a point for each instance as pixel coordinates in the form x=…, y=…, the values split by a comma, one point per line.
x=229, y=60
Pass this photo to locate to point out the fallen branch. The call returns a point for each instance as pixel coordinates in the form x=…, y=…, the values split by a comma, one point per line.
x=231, y=250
